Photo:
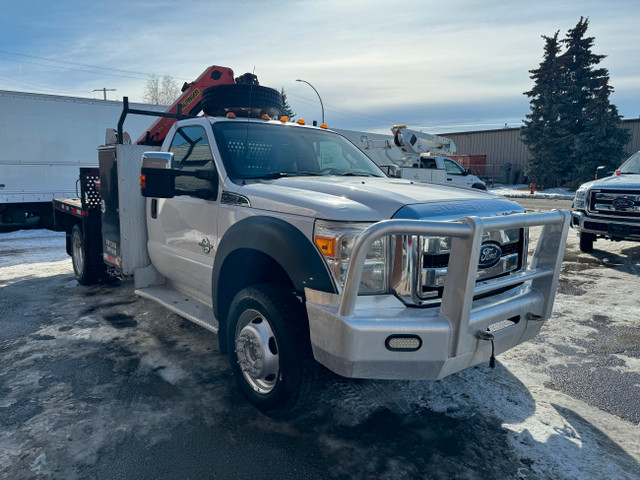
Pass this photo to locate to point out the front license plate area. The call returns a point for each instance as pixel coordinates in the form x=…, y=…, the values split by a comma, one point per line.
x=621, y=230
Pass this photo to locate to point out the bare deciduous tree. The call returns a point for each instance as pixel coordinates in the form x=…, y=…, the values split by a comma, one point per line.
x=161, y=90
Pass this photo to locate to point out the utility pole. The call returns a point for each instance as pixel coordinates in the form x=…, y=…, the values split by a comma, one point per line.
x=105, y=90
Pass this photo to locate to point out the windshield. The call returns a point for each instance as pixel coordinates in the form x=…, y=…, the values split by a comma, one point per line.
x=632, y=165
x=265, y=151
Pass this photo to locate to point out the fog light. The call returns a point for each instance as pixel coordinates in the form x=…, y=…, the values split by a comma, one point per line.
x=403, y=343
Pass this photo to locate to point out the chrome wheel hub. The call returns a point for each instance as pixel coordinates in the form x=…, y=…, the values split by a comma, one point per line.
x=257, y=351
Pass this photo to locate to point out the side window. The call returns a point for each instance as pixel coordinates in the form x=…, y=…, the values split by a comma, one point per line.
x=452, y=167
x=428, y=163
x=331, y=155
x=191, y=151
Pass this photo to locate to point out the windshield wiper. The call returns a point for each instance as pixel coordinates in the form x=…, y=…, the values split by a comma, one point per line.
x=357, y=174
x=275, y=175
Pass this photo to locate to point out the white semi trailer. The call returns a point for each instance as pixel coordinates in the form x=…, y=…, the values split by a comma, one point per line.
x=44, y=139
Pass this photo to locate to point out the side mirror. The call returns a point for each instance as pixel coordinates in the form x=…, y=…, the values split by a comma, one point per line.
x=467, y=171
x=156, y=177
x=392, y=171
x=601, y=172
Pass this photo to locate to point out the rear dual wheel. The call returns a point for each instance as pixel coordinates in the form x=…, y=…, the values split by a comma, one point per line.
x=86, y=272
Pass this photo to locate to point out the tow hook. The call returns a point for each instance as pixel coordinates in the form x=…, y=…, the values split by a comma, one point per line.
x=489, y=338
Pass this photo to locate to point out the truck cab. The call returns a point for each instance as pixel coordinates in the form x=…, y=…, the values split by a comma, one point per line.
x=454, y=173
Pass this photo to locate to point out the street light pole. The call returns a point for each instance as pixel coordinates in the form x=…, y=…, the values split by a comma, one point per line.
x=314, y=89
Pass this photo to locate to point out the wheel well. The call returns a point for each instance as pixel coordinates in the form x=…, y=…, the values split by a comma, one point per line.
x=241, y=269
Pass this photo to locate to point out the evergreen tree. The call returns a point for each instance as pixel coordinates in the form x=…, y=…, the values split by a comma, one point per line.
x=541, y=132
x=286, y=108
x=598, y=138
x=572, y=127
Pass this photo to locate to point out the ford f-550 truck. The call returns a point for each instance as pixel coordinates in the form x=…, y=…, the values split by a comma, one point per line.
x=609, y=207
x=292, y=245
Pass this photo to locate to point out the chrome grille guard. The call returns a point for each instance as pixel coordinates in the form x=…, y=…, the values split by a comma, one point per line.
x=460, y=287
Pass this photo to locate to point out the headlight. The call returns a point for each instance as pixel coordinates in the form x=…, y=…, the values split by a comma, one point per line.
x=335, y=241
x=580, y=201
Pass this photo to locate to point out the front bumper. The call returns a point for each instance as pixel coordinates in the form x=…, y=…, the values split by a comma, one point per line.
x=350, y=334
x=605, y=227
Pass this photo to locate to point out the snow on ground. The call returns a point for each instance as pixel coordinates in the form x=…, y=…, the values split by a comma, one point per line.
x=31, y=246
x=523, y=191
x=565, y=405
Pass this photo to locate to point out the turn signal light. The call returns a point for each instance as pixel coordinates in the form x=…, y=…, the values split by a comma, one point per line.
x=143, y=181
x=327, y=246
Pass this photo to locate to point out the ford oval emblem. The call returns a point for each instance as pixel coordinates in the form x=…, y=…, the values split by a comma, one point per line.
x=622, y=203
x=490, y=254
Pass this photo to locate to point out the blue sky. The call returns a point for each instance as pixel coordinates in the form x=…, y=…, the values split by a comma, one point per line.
x=432, y=65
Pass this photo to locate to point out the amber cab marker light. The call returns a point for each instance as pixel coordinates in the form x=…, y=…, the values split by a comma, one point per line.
x=231, y=115
x=327, y=246
x=143, y=181
x=265, y=117
x=324, y=125
x=301, y=122
x=284, y=119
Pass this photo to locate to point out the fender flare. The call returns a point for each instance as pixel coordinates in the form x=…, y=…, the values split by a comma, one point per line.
x=282, y=242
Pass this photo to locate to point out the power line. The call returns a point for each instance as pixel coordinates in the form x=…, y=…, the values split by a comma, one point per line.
x=112, y=71
x=22, y=84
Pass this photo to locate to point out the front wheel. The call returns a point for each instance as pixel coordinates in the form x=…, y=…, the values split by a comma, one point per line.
x=586, y=242
x=271, y=353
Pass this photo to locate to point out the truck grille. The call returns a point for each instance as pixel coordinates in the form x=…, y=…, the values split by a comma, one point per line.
x=424, y=285
x=615, y=203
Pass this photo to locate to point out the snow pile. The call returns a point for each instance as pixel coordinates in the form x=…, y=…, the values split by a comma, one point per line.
x=523, y=191
x=31, y=246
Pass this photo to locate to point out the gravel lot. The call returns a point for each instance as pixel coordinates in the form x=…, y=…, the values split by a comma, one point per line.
x=97, y=383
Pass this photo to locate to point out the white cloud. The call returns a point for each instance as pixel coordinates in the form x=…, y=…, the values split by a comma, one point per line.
x=362, y=56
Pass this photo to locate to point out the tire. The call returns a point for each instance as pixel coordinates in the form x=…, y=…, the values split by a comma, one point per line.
x=86, y=274
x=241, y=99
x=270, y=351
x=586, y=242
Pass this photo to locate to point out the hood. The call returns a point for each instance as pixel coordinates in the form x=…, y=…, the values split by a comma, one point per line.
x=369, y=199
x=626, y=181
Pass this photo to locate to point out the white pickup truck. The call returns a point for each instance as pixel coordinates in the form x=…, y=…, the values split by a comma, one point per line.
x=295, y=248
x=609, y=208
x=415, y=155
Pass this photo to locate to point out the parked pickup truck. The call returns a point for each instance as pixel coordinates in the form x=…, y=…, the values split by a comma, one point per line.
x=415, y=155
x=293, y=246
x=609, y=207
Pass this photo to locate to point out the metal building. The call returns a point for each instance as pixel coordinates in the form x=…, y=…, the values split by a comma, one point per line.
x=507, y=156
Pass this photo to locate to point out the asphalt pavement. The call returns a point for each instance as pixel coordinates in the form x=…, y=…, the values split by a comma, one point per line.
x=97, y=383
